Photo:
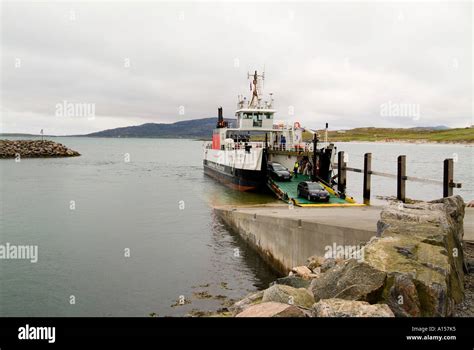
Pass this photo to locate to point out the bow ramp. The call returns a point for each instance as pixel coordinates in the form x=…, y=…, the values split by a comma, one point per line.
x=287, y=191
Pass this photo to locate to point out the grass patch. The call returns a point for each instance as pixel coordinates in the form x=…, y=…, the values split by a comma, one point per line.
x=460, y=135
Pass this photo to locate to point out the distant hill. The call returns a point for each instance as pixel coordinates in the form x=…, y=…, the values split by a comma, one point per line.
x=202, y=129
x=195, y=128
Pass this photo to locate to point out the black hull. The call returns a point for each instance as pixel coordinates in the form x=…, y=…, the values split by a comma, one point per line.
x=238, y=179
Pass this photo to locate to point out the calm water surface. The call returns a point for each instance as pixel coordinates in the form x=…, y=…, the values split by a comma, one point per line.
x=137, y=206
x=422, y=160
x=121, y=205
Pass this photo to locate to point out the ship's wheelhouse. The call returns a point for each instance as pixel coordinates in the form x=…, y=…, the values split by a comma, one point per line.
x=255, y=118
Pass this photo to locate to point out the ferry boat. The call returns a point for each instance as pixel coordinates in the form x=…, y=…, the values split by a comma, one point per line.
x=234, y=159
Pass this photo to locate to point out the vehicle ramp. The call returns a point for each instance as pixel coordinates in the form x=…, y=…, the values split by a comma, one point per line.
x=287, y=191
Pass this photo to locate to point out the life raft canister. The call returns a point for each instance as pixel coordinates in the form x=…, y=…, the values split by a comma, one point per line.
x=297, y=125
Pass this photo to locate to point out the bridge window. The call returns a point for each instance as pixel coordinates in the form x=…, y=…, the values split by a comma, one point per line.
x=257, y=120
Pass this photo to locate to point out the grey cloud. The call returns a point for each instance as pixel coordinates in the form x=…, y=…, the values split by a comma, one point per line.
x=334, y=62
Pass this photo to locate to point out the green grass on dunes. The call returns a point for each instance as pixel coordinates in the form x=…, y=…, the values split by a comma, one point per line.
x=462, y=135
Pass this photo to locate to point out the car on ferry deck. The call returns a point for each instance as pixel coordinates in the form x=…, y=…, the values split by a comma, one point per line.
x=278, y=172
x=312, y=191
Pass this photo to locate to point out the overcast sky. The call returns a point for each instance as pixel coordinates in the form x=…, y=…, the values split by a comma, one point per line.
x=138, y=62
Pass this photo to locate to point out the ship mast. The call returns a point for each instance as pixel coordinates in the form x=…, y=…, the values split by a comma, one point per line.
x=256, y=87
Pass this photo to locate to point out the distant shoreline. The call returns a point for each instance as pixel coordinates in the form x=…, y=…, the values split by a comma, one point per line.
x=410, y=135
x=404, y=141
x=202, y=129
x=414, y=142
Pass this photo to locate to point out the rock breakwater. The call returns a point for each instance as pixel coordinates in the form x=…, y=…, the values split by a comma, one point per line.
x=34, y=149
x=414, y=267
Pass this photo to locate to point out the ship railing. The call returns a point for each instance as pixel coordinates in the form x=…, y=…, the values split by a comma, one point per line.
x=301, y=147
x=236, y=145
x=253, y=144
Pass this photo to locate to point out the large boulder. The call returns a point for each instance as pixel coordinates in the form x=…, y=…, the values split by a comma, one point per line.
x=433, y=221
x=322, y=264
x=421, y=251
x=314, y=261
x=246, y=302
x=272, y=309
x=304, y=272
x=350, y=308
x=351, y=280
x=288, y=295
x=401, y=295
x=414, y=267
x=439, y=222
x=329, y=263
x=417, y=283
x=292, y=281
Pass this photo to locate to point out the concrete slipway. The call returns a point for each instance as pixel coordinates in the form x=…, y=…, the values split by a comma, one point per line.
x=286, y=237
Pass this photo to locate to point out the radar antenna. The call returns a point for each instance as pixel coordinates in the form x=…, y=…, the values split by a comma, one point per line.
x=257, y=87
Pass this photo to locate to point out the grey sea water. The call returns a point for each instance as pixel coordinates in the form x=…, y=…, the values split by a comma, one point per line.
x=422, y=160
x=157, y=205
x=127, y=229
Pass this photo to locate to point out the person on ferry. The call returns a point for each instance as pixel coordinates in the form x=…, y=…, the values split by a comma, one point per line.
x=295, y=169
x=307, y=169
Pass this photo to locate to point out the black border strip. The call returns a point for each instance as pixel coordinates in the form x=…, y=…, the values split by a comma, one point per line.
x=370, y=331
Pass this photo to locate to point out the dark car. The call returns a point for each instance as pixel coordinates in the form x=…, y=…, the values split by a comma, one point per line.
x=313, y=191
x=278, y=172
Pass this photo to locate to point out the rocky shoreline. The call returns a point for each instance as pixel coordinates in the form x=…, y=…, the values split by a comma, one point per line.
x=414, y=267
x=34, y=149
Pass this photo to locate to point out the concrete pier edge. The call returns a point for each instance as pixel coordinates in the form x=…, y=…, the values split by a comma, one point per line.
x=286, y=237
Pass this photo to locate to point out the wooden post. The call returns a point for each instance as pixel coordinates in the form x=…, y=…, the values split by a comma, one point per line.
x=448, y=175
x=314, y=174
x=367, y=177
x=401, y=178
x=341, y=173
